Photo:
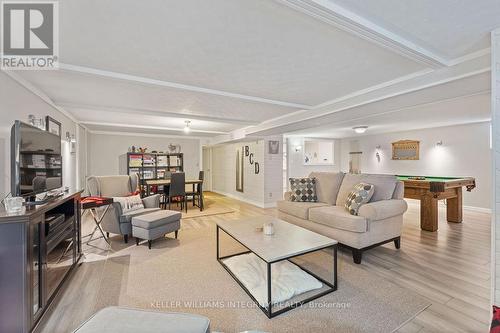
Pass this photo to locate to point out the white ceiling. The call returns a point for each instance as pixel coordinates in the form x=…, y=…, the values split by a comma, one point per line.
x=451, y=28
x=266, y=66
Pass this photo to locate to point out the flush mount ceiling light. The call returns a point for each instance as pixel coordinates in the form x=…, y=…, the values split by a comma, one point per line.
x=360, y=129
x=187, y=128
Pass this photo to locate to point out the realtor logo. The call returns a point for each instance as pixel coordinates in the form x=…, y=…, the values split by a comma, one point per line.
x=29, y=33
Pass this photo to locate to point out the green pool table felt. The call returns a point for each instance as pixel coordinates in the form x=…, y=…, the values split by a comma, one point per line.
x=429, y=179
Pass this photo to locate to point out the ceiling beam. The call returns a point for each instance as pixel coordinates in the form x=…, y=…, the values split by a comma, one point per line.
x=338, y=16
x=73, y=107
x=175, y=129
x=463, y=70
x=155, y=82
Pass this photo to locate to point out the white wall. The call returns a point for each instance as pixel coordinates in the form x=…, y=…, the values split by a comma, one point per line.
x=16, y=103
x=273, y=175
x=224, y=172
x=107, y=152
x=495, y=230
x=465, y=152
x=262, y=189
x=296, y=167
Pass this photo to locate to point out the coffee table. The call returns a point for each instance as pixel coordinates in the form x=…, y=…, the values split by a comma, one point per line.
x=289, y=241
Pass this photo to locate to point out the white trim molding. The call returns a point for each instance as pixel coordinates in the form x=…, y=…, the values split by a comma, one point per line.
x=155, y=82
x=338, y=16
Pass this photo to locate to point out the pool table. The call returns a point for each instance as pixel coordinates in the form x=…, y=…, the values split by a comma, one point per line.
x=429, y=190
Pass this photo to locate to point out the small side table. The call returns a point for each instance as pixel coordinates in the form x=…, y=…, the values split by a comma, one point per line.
x=91, y=204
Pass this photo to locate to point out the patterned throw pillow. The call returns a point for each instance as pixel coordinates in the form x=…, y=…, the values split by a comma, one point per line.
x=360, y=194
x=303, y=190
x=130, y=203
x=495, y=322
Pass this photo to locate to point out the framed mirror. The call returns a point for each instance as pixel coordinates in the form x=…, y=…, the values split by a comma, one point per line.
x=406, y=150
x=318, y=152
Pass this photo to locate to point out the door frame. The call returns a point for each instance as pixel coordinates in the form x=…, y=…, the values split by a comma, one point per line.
x=204, y=150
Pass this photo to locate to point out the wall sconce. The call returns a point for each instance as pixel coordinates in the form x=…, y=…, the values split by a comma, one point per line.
x=439, y=143
x=298, y=148
x=377, y=153
x=70, y=137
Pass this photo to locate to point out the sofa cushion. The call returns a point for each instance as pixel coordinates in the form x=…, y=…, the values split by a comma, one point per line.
x=303, y=189
x=327, y=185
x=127, y=217
x=338, y=217
x=156, y=219
x=383, y=209
x=114, y=186
x=360, y=194
x=384, y=186
x=298, y=209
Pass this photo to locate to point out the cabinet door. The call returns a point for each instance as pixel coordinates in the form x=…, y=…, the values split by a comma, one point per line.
x=35, y=269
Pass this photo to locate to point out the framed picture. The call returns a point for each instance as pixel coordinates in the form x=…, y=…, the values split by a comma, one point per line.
x=273, y=147
x=53, y=126
x=406, y=150
x=240, y=155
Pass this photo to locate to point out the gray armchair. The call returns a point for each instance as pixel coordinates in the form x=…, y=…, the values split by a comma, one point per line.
x=115, y=221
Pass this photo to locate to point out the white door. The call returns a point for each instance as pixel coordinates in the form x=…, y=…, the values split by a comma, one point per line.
x=207, y=169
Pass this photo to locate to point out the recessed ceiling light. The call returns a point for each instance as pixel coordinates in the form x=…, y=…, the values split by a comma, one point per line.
x=360, y=129
x=187, y=127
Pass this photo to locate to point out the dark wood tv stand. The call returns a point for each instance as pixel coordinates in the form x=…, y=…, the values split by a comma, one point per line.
x=36, y=258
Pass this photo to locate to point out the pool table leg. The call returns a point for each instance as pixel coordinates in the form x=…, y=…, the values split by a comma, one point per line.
x=429, y=212
x=454, y=207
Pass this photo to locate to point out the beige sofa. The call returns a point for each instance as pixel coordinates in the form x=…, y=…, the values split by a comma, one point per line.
x=378, y=222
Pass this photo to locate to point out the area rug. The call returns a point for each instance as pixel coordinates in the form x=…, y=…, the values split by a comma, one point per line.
x=210, y=208
x=183, y=275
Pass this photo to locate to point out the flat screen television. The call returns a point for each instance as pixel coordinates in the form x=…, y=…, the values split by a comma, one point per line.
x=36, y=161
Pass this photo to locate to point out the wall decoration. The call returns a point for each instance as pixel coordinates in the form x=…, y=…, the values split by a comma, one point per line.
x=246, y=151
x=174, y=148
x=406, y=150
x=240, y=157
x=273, y=147
x=318, y=152
x=52, y=125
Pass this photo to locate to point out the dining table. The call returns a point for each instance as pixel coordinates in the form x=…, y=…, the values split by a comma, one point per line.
x=165, y=182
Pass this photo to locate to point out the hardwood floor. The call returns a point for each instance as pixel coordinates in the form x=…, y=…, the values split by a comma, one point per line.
x=450, y=267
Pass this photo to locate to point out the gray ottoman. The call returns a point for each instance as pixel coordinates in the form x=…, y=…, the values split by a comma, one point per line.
x=123, y=320
x=155, y=225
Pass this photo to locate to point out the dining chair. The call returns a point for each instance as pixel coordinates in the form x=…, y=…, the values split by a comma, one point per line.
x=197, y=192
x=165, y=190
x=177, y=189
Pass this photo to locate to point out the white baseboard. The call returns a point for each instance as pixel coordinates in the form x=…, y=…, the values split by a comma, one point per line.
x=443, y=205
x=241, y=198
x=478, y=209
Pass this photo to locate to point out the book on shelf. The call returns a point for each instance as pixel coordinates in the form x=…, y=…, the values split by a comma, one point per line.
x=160, y=173
x=175, y=161
x=148, y=160
x=162, y=160
x=148, y=174
x=134, y=170
x=135, y=161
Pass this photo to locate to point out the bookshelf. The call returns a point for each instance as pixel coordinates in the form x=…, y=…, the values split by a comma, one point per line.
x=154, y=165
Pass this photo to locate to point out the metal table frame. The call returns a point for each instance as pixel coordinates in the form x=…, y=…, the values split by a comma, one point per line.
x=268, y=310
x=97, y=220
